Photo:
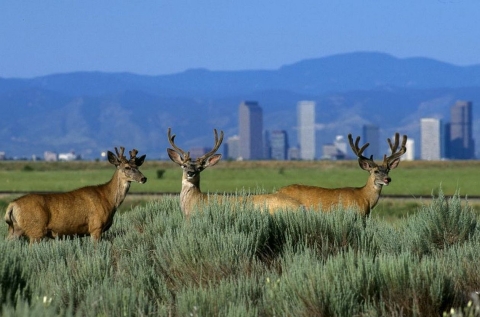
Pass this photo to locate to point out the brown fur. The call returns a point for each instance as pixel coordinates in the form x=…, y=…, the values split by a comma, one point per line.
x=365, y=198
x=191, y=197
x=84, y=211
x=361, y=198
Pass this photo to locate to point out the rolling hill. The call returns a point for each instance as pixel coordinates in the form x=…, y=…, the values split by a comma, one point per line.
x=90, y=112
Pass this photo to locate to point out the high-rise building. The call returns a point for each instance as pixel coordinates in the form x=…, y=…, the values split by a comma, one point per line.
x=279, y=145
x=461, y=145
x=431, y=138
x=410, y=154
x=306, y=129
x=250, y=130
x=371, y=134
x=232, y=148
x=341, y=147
x=267, y=146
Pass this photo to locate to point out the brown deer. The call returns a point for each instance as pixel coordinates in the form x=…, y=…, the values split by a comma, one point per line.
x=84, y=211
x=364, y=198
x=191, y=198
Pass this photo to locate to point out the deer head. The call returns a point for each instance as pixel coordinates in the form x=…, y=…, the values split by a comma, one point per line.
x=379, y=172
x=192, y=169
x=128, y=168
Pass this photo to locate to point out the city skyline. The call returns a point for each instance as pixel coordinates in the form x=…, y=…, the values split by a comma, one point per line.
x=437, y=137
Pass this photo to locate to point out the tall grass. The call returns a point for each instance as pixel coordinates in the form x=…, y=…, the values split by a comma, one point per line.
x=153, y=262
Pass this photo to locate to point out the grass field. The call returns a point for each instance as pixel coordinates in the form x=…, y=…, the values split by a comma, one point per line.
x=414, y=179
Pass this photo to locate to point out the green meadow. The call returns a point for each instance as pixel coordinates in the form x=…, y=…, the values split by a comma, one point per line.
x=416, y=181
x=410, y=178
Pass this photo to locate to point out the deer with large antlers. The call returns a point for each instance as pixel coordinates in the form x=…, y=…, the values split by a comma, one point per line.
x=191, y=198
x=84, y=211
x=364, y=198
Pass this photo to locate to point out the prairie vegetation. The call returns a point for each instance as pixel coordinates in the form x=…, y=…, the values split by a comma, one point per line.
x=154, y=262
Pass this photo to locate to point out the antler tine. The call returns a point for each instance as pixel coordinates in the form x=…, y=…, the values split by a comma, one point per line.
x=358, y=151
x=120, y=154
x=133, y=154
x=171, y=139
x=218, y=142
x=394, y=146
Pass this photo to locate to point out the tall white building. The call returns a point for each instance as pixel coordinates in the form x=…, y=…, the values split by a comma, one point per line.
x=306, y=129
x=410, y=154
x=431, y=138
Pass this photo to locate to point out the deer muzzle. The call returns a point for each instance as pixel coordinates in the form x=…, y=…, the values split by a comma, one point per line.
x=387, y=180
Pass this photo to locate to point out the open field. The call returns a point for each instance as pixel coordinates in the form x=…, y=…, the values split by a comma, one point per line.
x=416, y=181
x=411, y=179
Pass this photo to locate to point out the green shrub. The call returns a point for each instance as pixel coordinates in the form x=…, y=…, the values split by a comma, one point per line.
x=153, y=261
x=443, y=223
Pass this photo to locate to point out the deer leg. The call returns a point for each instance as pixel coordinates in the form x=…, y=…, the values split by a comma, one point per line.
x=96, y=234
x=14, y=232
x=36, y=234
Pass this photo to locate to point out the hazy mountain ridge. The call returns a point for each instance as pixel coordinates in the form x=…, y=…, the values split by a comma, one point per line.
x=91, y=112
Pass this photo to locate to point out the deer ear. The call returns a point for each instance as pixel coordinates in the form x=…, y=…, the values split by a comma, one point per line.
x=212, y=160
x=174, y=156
x=112, y=158
x=366, y=165
x=139, y=161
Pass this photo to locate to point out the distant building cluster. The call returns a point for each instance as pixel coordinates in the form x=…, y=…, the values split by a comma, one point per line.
x=439, y=141
x=451, y=140
x=54, y=157
x=253, y=143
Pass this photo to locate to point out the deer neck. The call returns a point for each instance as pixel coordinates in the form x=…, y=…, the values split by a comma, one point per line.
x=117, y=190
x=371, y=191
x=190, y=194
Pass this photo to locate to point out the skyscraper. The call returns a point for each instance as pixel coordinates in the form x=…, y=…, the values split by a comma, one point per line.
x=410, y=154
x=279, y=145
x=306, y=129
x=232, y=148
x=431, y=138
x=250, y=130
x=371, y=135
x=462, y=145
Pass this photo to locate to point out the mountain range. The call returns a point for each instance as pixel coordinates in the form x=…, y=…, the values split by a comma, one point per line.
x=90, y=112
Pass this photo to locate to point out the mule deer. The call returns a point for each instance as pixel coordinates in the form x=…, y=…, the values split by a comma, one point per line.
x=84, y=211
x=364, y=198
x=192, y=198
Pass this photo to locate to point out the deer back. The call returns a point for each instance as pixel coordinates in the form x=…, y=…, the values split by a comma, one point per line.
x=361, y=198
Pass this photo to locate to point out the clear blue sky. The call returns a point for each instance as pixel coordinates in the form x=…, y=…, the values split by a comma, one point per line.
x=161, y=37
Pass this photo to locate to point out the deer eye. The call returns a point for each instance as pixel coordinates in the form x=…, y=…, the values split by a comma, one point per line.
x=128, y=168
